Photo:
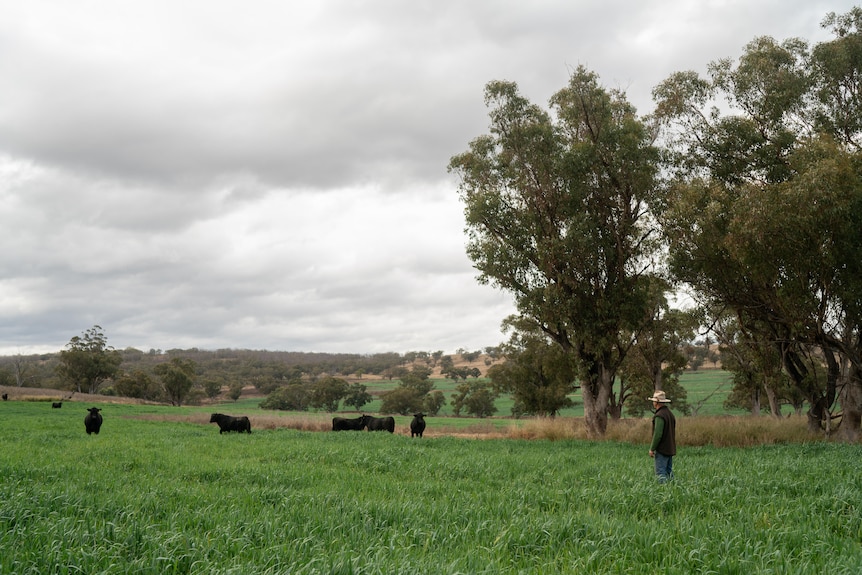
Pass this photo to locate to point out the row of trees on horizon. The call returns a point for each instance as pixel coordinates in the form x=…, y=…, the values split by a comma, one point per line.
x=291, y=380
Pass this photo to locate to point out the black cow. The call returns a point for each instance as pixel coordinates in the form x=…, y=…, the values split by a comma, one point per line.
x=349, y=424
x=93, y=420
x=5, y=397
x=229, y=423
x=380, y=423
x=417, y=426
x=57, y=405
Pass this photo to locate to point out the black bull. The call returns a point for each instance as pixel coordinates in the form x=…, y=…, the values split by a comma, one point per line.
x=227, y=423
x=380, y=423
x=93, y=420
x=348, y=424
x=417, y=426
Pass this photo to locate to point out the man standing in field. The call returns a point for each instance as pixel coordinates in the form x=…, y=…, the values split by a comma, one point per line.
x=663, y=446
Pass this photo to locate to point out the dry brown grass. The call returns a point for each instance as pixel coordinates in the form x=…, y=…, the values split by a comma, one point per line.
x=47, y=394
x=719, y=431
x=691, y=431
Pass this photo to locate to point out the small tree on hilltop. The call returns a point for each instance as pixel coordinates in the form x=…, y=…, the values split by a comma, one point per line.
x=178, y=378
x=235, y=391
x=88, y=361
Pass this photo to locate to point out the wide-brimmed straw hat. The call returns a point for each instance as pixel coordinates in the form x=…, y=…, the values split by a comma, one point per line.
x=659, y=397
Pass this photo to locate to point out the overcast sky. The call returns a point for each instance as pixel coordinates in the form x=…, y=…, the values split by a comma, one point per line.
x=272, y=174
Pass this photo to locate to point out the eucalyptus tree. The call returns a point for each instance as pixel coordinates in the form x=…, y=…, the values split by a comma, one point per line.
x=557, y=213
x=178, y=377
x=656, y=358
x=88, y=361
x=538, y=374
x=765, y=212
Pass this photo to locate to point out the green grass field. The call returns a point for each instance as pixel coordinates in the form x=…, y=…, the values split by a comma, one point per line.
x=165, y=497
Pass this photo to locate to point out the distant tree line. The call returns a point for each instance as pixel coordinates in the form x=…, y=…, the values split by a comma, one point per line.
x=290, y=380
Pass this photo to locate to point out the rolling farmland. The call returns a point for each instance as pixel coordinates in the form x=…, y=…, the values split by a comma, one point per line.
x=160, y=496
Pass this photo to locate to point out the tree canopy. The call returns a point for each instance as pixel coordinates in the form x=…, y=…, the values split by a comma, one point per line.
x=88, y=361
x=765, y=205
x=557, y=210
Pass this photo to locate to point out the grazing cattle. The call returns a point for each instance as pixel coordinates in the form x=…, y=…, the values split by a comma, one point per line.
x=5, y=397
x=57, y=405
x=417, y=426
x=227, y=423
x=380, y=423
x=349, y=424
x=93, y=420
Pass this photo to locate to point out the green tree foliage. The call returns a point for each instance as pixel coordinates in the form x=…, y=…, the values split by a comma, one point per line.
x=357, y=396
x=409, y=396
x=537, y=372
x=470, y=356
x=291, y=397
x=235, y=390
x=88, y=361
x=212, y=387
x=401, y=400
x=462, y=372
x=419, y=379
x=326, y=393
x=137, y=383
x=178, y=378
x=446, y=363
x=765, y=209
x=656, y=360
x=476, y=398
x=433, y=402
x=758, y=377
x=557, y=214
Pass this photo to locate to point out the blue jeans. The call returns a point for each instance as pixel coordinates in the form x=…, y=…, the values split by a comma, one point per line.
x=663, y=467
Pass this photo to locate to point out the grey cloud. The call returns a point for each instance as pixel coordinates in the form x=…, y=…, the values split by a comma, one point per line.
x=273, y=174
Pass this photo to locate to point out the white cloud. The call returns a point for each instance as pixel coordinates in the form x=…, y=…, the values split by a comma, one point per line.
x=273, y=174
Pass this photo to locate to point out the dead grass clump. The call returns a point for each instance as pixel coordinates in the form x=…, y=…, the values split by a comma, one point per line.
x=560, y=428
x=744, y=431
x=552, y=429
x=40, y=398
x=718, y=431
x=637, y=431
x=307, y=422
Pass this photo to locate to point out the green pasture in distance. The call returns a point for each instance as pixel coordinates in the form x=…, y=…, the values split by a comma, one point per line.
x=156, y=497
x=707, y=391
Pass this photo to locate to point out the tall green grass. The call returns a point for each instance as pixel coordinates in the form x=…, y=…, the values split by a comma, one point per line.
x=162, y=497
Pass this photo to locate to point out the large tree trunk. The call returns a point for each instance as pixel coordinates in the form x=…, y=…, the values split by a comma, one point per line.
x=772, y=398
x=851, y=404
x=816, y=410
x=755, y=402
x=597, y=394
